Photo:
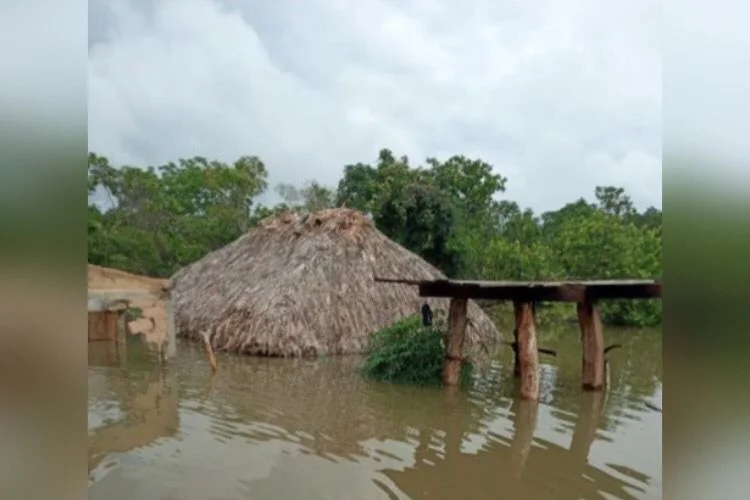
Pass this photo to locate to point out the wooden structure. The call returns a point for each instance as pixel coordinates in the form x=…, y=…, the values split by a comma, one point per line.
x=524, y=295
x=102, y=326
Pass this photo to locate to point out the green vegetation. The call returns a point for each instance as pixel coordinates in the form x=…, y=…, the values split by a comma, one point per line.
x=407, y=352
x=450, y=212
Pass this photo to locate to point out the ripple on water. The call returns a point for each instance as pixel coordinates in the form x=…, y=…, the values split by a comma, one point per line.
x=272, y=428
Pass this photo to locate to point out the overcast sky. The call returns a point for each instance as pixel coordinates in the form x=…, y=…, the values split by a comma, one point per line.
x=560, y=96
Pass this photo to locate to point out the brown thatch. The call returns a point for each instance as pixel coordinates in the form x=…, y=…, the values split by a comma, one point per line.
x=303, y=285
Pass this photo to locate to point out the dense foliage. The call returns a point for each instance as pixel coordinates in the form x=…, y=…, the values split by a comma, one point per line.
x=451, y=212
x=407, y=352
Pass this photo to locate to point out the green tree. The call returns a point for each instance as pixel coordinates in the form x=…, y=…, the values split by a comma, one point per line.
x=613, y=200
x=158, y=219
x=552, y=220
x=650, y=219
x=434, y=210
x=603, y=246
x=311, y=197
x=161, y=218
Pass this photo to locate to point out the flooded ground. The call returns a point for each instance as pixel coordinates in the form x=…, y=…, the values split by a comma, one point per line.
x=285, y=429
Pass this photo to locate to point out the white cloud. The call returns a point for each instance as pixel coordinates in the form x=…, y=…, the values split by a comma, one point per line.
x=559, y=96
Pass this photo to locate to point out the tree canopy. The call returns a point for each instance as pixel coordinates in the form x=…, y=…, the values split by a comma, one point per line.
x=452, y=213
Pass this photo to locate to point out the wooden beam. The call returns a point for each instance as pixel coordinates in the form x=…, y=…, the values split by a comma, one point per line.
x=541, y=292
x=457, y=321
x=606, y=290
x=528, y=355
x=400, y=281
x=515, y=292
x=530, y=291
x=592, y=339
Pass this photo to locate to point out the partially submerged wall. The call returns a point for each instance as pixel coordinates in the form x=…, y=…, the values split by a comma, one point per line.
x=114, y=290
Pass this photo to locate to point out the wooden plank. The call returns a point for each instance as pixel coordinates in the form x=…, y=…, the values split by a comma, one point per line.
x=496, y=284
x=521, y=293
x=565, y=292
x=528, y=355
x=592, y=339
x=526, y=291
x=623, y=291
x=518, y=283
x=457, y=321
x=400, y=281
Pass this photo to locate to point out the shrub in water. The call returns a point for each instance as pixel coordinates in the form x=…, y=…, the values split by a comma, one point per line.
x=408, y=352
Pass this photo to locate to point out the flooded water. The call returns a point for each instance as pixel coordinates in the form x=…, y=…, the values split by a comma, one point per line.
x=285, y=429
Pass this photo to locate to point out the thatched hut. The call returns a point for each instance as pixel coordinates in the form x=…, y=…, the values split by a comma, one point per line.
x=300, y=285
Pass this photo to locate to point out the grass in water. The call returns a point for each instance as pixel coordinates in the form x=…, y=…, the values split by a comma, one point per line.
x=410, y=353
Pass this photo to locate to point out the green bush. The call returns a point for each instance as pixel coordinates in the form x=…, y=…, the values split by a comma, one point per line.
x=407, y=352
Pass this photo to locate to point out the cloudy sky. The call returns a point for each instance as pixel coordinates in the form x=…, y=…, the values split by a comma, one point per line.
x=560, y=96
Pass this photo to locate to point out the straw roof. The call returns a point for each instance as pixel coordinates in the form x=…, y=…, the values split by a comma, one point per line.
x=300, y=285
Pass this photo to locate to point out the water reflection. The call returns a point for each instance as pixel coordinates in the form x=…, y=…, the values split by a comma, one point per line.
x=150, y=411
x=514, y=464
x=106, y=354
x=525, y=418
x=266, y=428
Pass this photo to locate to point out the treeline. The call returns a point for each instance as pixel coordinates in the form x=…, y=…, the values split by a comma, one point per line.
x=159, y=219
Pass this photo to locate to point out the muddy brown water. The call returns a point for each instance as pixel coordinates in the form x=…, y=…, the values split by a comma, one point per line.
x=287, y=429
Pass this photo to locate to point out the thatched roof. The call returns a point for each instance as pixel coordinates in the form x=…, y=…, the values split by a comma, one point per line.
x=303, y=285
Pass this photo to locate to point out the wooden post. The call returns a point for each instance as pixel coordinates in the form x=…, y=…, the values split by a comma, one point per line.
x=457, y=320
x=528, y=355
x=209, y=351
x=592, y=339
x=516, y=360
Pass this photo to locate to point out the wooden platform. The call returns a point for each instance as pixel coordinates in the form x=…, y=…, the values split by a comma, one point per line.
x=524, y=295
x=535, y=291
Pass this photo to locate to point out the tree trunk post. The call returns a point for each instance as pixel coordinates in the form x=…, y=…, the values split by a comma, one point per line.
x=516, y=360
x=457, y=320
x=528, y=355
x=592, y=339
